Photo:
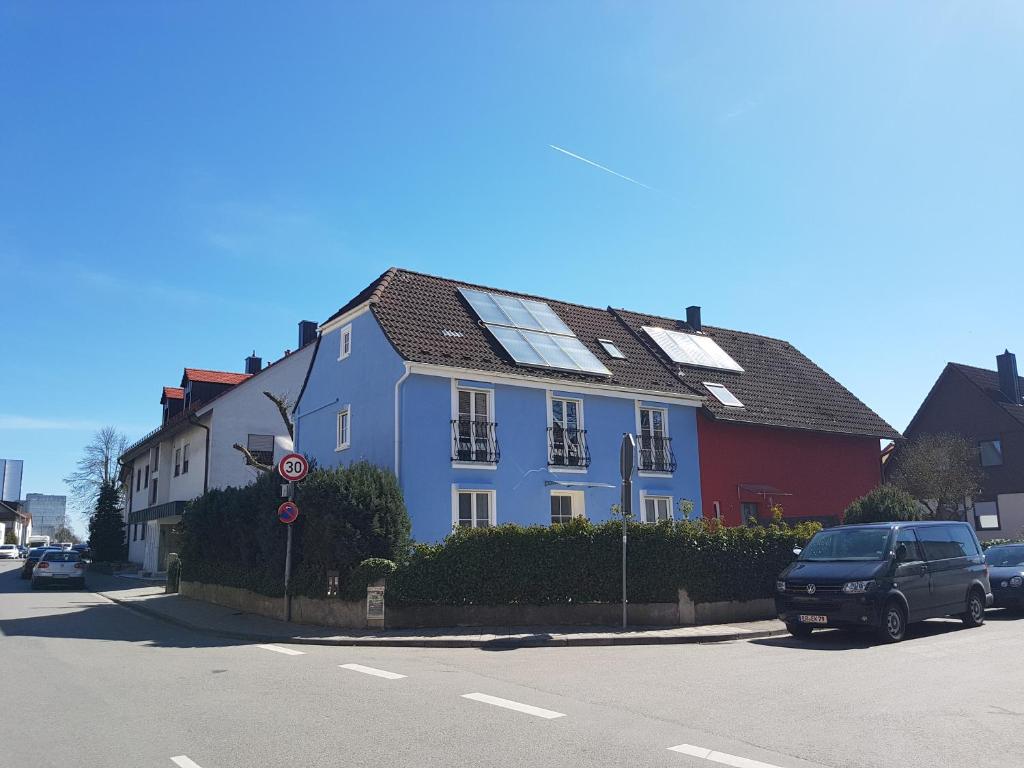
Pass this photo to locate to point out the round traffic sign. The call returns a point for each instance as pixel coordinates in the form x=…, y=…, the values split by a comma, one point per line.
x=293, y=467
x=288, y=512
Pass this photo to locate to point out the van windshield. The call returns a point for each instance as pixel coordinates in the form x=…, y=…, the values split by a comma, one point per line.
x=850, y=544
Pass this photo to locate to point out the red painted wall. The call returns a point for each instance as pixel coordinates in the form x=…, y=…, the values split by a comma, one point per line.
x=823, y=472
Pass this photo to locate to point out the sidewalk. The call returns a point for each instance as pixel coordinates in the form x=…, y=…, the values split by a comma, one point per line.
x=226, y=622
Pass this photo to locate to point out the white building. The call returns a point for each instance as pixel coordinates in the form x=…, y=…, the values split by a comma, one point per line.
x=191, y=452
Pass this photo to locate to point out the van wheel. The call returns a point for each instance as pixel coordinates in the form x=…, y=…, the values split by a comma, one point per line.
x=975, y=615
x=801, y=631
x=894, y=623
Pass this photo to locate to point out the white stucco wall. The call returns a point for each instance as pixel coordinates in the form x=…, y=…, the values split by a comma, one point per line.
x=1011, y=514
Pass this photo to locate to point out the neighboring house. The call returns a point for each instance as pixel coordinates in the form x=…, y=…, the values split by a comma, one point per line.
x=495, y=407
x=14, y=518
x=191, y=451
x=986, y=407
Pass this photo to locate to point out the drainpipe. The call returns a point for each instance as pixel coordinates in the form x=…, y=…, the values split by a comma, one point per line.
x=398, y=424
x=193, y=420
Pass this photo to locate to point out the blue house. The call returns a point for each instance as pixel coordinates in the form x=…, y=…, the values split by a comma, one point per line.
x=495, y=407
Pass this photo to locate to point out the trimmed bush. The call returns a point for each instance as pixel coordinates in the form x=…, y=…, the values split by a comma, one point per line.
x=886, y=503
x=348, y=514
x=580, y=562
x=370, y=570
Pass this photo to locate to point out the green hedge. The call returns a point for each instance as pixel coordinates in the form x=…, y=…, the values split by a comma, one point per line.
x=581, y=562
x=233, y=537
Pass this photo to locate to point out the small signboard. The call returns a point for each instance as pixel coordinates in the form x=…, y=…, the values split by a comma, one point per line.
x=375, y=602
x=293, y=467
x=288, y=512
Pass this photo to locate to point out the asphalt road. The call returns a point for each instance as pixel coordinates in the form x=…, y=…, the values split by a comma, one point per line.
x=88, y=683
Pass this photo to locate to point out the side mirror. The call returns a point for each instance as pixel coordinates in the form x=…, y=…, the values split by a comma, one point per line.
x=797, y=551
x=901, y=553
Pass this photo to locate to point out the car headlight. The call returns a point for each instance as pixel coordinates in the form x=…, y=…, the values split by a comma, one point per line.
x=780, y=586
x=857, y=587
x=1016, y=581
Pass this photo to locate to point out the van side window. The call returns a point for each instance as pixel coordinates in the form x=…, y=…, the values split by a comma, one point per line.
x=962, y=536
x=937, y=544
x=907, y=537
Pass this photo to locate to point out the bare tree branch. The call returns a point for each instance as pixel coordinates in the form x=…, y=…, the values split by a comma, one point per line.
x=283, y=408
x=98, y=465
x=250, y=459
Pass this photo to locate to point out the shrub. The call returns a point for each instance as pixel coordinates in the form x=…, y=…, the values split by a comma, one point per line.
x=370, y=570
x=884, y=504
x=581, y=562
x=348, y=514
x=998, y=542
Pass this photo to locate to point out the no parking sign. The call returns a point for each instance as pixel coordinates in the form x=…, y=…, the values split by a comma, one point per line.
x=288, y=512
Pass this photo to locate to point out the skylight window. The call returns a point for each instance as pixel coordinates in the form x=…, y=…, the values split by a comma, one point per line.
x=723, y=395
x=532, y=333
x=611, y=349
x=691, y=349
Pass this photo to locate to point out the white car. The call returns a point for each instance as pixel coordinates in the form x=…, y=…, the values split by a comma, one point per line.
x=9, y=552
x=59, y=567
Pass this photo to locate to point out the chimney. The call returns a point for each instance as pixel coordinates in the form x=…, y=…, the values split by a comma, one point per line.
x=307, y=332
x=1009, y=381
x=253, y=364
x=693, y=318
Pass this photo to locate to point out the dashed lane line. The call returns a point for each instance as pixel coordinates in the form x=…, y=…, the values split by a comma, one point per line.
x=281, y=649
x=547, y=714
x=183, y=762
x=372, y=671
x=722, y=758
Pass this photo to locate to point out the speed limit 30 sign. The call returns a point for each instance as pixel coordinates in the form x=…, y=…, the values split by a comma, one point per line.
x=293, y=467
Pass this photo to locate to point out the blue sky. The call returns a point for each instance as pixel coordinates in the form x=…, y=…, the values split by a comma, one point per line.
x=183, y=182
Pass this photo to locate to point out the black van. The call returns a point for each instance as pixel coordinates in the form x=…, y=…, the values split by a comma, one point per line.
x=885, y=576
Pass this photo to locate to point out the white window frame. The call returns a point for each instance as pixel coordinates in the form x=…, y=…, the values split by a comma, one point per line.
x=640, y=406
x=714, y=387
x=345, y=342
x=644, y=495
x=578, y=399
x=456, y=388
x=612, y=349
x=342, y=445
x=492, y=505
x=994, y=513
x=579, y=508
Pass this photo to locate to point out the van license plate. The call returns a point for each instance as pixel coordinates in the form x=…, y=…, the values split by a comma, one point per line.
x=807, y=619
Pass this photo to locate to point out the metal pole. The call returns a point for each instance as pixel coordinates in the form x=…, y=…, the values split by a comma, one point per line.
x=626, y=460
x=288, y=562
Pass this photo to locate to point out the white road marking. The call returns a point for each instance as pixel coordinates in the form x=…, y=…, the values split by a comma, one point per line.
x=720, y=757
x=184, y=762
x=372, y=671
x=280, y=649
x=530, y=710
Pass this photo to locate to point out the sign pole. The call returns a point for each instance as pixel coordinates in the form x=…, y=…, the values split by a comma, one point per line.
x=627, y=453
x=288, y=563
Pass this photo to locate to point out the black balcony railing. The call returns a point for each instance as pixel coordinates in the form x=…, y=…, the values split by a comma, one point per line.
x=474, y=440
x=656, y=454
x=568, y=447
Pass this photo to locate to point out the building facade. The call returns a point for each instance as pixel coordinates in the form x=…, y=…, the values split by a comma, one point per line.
x=985, y=406
x=10, y=479
x=495, y=407
x=49, y=512
x=192, y=450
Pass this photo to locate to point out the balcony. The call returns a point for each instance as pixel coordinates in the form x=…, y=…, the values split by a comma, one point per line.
x=568, y=447
x=655, y=454
x=475, y=441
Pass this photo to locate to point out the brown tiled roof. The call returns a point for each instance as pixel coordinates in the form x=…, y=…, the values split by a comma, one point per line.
x=427, y=321
x=173, y=393
x=215, y=377
x=779, y=386
x=988, y=382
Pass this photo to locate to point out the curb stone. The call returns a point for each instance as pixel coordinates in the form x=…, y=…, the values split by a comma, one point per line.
x=528, y=641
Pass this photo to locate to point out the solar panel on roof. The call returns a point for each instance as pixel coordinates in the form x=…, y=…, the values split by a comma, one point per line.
x=532, y=333
x=691, y=349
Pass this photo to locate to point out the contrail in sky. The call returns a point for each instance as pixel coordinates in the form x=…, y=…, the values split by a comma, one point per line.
x=598, y=165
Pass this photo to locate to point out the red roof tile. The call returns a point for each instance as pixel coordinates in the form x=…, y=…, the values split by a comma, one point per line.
x=215, y=377
x=174, y=393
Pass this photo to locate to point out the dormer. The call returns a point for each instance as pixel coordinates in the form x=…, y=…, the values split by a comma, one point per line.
x=201, y=385
x=173, y=402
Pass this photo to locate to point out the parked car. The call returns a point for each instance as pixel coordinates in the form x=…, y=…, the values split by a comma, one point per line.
x=82, y=550
x=9, y=552
x=61, y=566
x=32, y=558
x=1006, y=572
x=22, y=551
x=885, y=576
